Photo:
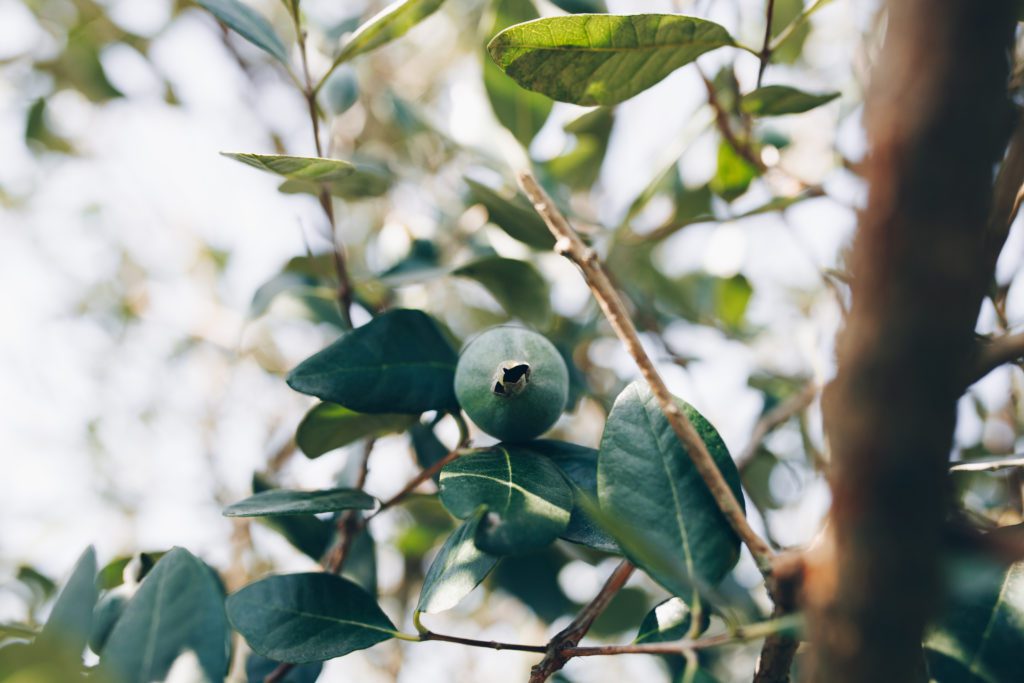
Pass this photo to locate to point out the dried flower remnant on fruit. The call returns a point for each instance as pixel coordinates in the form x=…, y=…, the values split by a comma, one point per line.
x=511, y=379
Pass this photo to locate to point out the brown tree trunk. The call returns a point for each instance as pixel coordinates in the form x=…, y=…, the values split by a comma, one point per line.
x=938, y=120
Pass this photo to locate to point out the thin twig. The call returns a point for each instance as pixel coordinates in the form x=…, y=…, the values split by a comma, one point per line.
x=569, y=244
x=472, y=642
x=742, y=147
x=773, y=419
x=569, y=637
x=999, y=351
x=766, y=49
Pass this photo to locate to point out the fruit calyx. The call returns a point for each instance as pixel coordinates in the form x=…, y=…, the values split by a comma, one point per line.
x=511, y=378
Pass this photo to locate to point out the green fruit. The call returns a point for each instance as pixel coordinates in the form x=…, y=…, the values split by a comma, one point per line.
x=512, y=383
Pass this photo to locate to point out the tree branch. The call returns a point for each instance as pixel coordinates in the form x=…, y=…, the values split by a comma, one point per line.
x=766, y=48
x=998, y=351
x=569, y=244
x=569, y=637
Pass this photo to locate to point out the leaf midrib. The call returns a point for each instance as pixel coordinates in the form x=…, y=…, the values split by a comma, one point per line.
x=324, y=617
x=615, y=50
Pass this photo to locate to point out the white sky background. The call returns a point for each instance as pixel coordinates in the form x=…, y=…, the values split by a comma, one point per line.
x=118, y=436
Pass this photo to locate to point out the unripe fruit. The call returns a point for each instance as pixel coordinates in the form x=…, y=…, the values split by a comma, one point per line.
x=512, y=383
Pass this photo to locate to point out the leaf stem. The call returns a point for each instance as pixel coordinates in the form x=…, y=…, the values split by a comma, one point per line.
x=569, y=244
x=788, y=32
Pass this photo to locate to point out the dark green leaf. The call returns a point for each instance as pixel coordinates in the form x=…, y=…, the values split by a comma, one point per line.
x=580, y=167
x=112, y=574
x=397, y=363
x=179, y=607
x=258, y=667
x=427, y=446
x=71, y=618
x=278, y=502
x=734, y=173
x=527, y=499
x=581, y=6
x=361, y=563
x=533, y=579
x=303, y=618
x=41, y=586
x=309, y=169
x=458, y=568
x=646, y=479
x=514, y=215
x=601, y=58
x=108, y=610
x=520, y=289
x=248, y=24
x=392, y=22
x=328, y=426
x=775, y=100
x=521, y=111
x=668, y=621
x=579, y=464
x=980, y=636
x=310, y=535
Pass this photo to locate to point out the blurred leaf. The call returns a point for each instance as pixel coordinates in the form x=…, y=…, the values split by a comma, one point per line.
x=361, y=563
x=581, y=6
x=689, y=205
x=37, y=130
x=310, y=169
x=533, y=579
x=392, y=22
x=328, y=426
x=580, y=167
x=579, y=464
x=78, y=65
x=989, y=464
x=980, y=634
x=112, y=574
x=601, y=58
x=302, y=618
x=458, y=568
x=365, y=181
x=310, y=535
x=527, y=499
x=71, y=618
x=520, y=289
x=422, y=256
x=105, y=616
x=734, y=173
x=775, y=100
x=786, y=12
x=733, y=294
x=521, y=111
x=399, y=362
x=669, y=621
x=341, y=90
x=258, y=667
x=280, y=502
x=646, y=479
x=514, y=215
x=180, y=606
x=41, y=586
x=249, y=24
x=428, y=448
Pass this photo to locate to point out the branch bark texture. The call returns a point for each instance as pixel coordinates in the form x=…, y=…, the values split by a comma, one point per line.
x=938, y=121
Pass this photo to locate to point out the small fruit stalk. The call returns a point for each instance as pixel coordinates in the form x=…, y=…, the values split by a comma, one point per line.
x=512, y=383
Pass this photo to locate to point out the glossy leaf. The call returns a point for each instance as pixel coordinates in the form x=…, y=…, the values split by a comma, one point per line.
x=775, y=100
x=309, y=169
x=521, y=111
x=249, y=24
x=328, y=426
x=668, y=621
x=258, y=667
x=593, y=59
x=70, y=621
x=303, y=618
x=512, y=214
x=458, y=568
x=646, y=479
x=179, y=607
x=520, y=289
x=393, y=21
x=399, y=362
x=980, y=636
x=528, y=500
x=579, y=464
x=310, y=535
x=278, y=502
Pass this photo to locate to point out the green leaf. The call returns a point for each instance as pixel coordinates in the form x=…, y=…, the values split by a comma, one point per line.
x=249, y=24
x=528, y=500
x=179, y=607
x=341, y=90
x=458, y=568
x=521, y=111
x=308, y=169
x=365, y=181
x=668, y=621
x=980, y=635
x=734, y=173
x=71, y=618
x=391, y=22
x=514, y=215
x=581, y=6
x=520, y=289
x=580, y=167
x=258, y=667
x=104, y=617
x=112, y=574
x=399, y=362
x=533, y=580
x=303, y=618
x=429, y=449
x=361, y=563
x=279, y=502
x=646, y=479
x=579, y=464
x=775, y=100
x=593, y=59
x=328, y=426
x=310, y=535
